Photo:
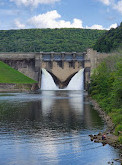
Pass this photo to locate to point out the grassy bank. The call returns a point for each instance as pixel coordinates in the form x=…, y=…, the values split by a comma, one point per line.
x=106, y=89
x=10, y=75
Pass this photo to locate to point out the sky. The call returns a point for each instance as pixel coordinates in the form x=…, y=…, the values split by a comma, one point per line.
x=89, y=14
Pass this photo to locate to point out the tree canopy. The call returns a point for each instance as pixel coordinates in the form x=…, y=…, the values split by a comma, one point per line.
x=110, y=40
x=36, y=40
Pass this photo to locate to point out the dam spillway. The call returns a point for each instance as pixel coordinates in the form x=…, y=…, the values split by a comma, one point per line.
x=76, y=82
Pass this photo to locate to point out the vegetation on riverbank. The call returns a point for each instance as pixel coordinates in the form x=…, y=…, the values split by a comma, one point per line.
x=47, y=40
x=10, y=75
x=110, y=40
x=106, y=89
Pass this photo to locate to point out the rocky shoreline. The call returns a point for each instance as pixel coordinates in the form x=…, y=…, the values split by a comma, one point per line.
x=108, y=136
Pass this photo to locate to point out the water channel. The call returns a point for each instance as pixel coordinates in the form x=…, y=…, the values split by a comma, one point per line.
x=51, y=128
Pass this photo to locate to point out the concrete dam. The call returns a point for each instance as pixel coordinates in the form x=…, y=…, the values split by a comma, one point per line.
x=61, y=65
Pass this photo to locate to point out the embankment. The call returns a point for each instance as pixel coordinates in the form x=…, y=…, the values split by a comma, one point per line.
x=110, y=137
x=12, y=80
x=11, y=87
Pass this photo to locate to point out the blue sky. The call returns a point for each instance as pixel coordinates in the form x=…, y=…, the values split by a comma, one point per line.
x=93, y=14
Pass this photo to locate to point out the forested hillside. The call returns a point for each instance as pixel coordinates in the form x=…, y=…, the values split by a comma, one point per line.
x=36, y=40
x=110, y=40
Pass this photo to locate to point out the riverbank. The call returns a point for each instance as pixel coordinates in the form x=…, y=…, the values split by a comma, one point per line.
x=109, y=137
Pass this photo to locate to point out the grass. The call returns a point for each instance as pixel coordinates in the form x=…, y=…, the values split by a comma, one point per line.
x=12, y=76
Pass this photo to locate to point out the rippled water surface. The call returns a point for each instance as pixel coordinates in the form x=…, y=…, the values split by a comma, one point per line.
x=50, y=128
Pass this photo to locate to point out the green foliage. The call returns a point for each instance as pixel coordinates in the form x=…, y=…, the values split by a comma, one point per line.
x=118, y=128
x=10, y=75
x=106, y=88
x=110, y=40
x=116, y=115
x=120, y=139
x=36, y=40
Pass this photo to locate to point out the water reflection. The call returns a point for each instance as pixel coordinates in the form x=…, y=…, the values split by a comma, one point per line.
x=47, y=101
x=56, y=109
x=50, y=127
x=76, y=102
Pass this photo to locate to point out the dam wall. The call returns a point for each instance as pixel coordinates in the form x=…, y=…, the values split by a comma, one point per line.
x=62, y=65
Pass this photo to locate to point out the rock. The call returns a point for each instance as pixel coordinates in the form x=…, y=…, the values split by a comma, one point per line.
x=99, y=133
x=34, y=87
x=118, y=160
x=95, y=137
x=119, y=132
x=91, y=135
x=109, y=133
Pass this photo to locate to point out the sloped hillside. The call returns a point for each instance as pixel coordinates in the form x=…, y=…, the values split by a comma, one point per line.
x=110, y=40
x=36, y=40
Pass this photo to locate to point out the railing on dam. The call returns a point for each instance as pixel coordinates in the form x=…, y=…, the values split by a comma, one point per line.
x=44, y=56
x=62, y=56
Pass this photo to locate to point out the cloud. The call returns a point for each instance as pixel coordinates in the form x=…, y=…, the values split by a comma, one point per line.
x=113, y=26
x=19, y=25
x=118, y=6
x=34, y=3
x=100, y=27
x=52, y=19
x=106, y=2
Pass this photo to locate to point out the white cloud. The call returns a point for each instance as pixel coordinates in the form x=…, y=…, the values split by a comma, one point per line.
x=99, y=27
x=19, y=25
x=105, y=2
x=118, y=6
x=34, y=3
x=52, y=19
x=113, y=26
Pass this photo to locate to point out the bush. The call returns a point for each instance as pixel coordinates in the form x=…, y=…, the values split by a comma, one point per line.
x=120, y=139
x=118, y=128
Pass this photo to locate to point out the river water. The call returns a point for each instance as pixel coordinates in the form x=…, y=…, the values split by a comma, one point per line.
x=51, y=128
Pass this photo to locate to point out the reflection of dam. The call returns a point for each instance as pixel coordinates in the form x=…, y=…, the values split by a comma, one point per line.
x=65, y=104
x=65, y=108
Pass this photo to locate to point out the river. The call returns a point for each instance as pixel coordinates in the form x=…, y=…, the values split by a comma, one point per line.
x=51, y=128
